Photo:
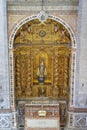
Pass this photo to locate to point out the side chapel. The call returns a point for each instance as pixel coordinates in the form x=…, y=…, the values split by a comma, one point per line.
x=43, y=65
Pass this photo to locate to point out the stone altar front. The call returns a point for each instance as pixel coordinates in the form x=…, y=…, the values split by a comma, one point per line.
x=40, y=116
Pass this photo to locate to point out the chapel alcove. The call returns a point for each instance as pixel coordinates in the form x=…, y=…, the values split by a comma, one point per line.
x=49, y=43
x=42, y=54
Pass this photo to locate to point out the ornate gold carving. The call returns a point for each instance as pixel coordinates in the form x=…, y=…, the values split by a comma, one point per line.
x=42, y=33
x=55, y=91
x=35, y=41
x=57, y=64
x=36, y=32
x=61, y=71
x=22, y=72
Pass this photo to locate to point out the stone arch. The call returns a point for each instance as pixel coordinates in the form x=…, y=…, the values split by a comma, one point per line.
x=73, y=55
x=11, y=39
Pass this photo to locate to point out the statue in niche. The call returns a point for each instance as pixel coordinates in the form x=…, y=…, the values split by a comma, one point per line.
x=41, y=72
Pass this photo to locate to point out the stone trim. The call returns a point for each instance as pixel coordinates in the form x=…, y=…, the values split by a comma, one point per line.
x=36, y=17
x=5, y=121
x=82, y=110
x=77, y=121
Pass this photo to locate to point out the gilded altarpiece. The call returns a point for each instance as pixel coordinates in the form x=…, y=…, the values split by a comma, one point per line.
x=47, y=44
x=56, y=82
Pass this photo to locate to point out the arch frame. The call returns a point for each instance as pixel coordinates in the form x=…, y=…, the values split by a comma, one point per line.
x=72, y=58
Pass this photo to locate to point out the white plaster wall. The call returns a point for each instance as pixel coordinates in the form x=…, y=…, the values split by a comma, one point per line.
x=4, y=79
x=82, y=41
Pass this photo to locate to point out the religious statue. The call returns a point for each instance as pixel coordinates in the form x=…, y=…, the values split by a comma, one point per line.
x=41, y=72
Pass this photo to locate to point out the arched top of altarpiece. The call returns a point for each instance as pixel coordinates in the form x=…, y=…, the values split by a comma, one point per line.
x=33, y=31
